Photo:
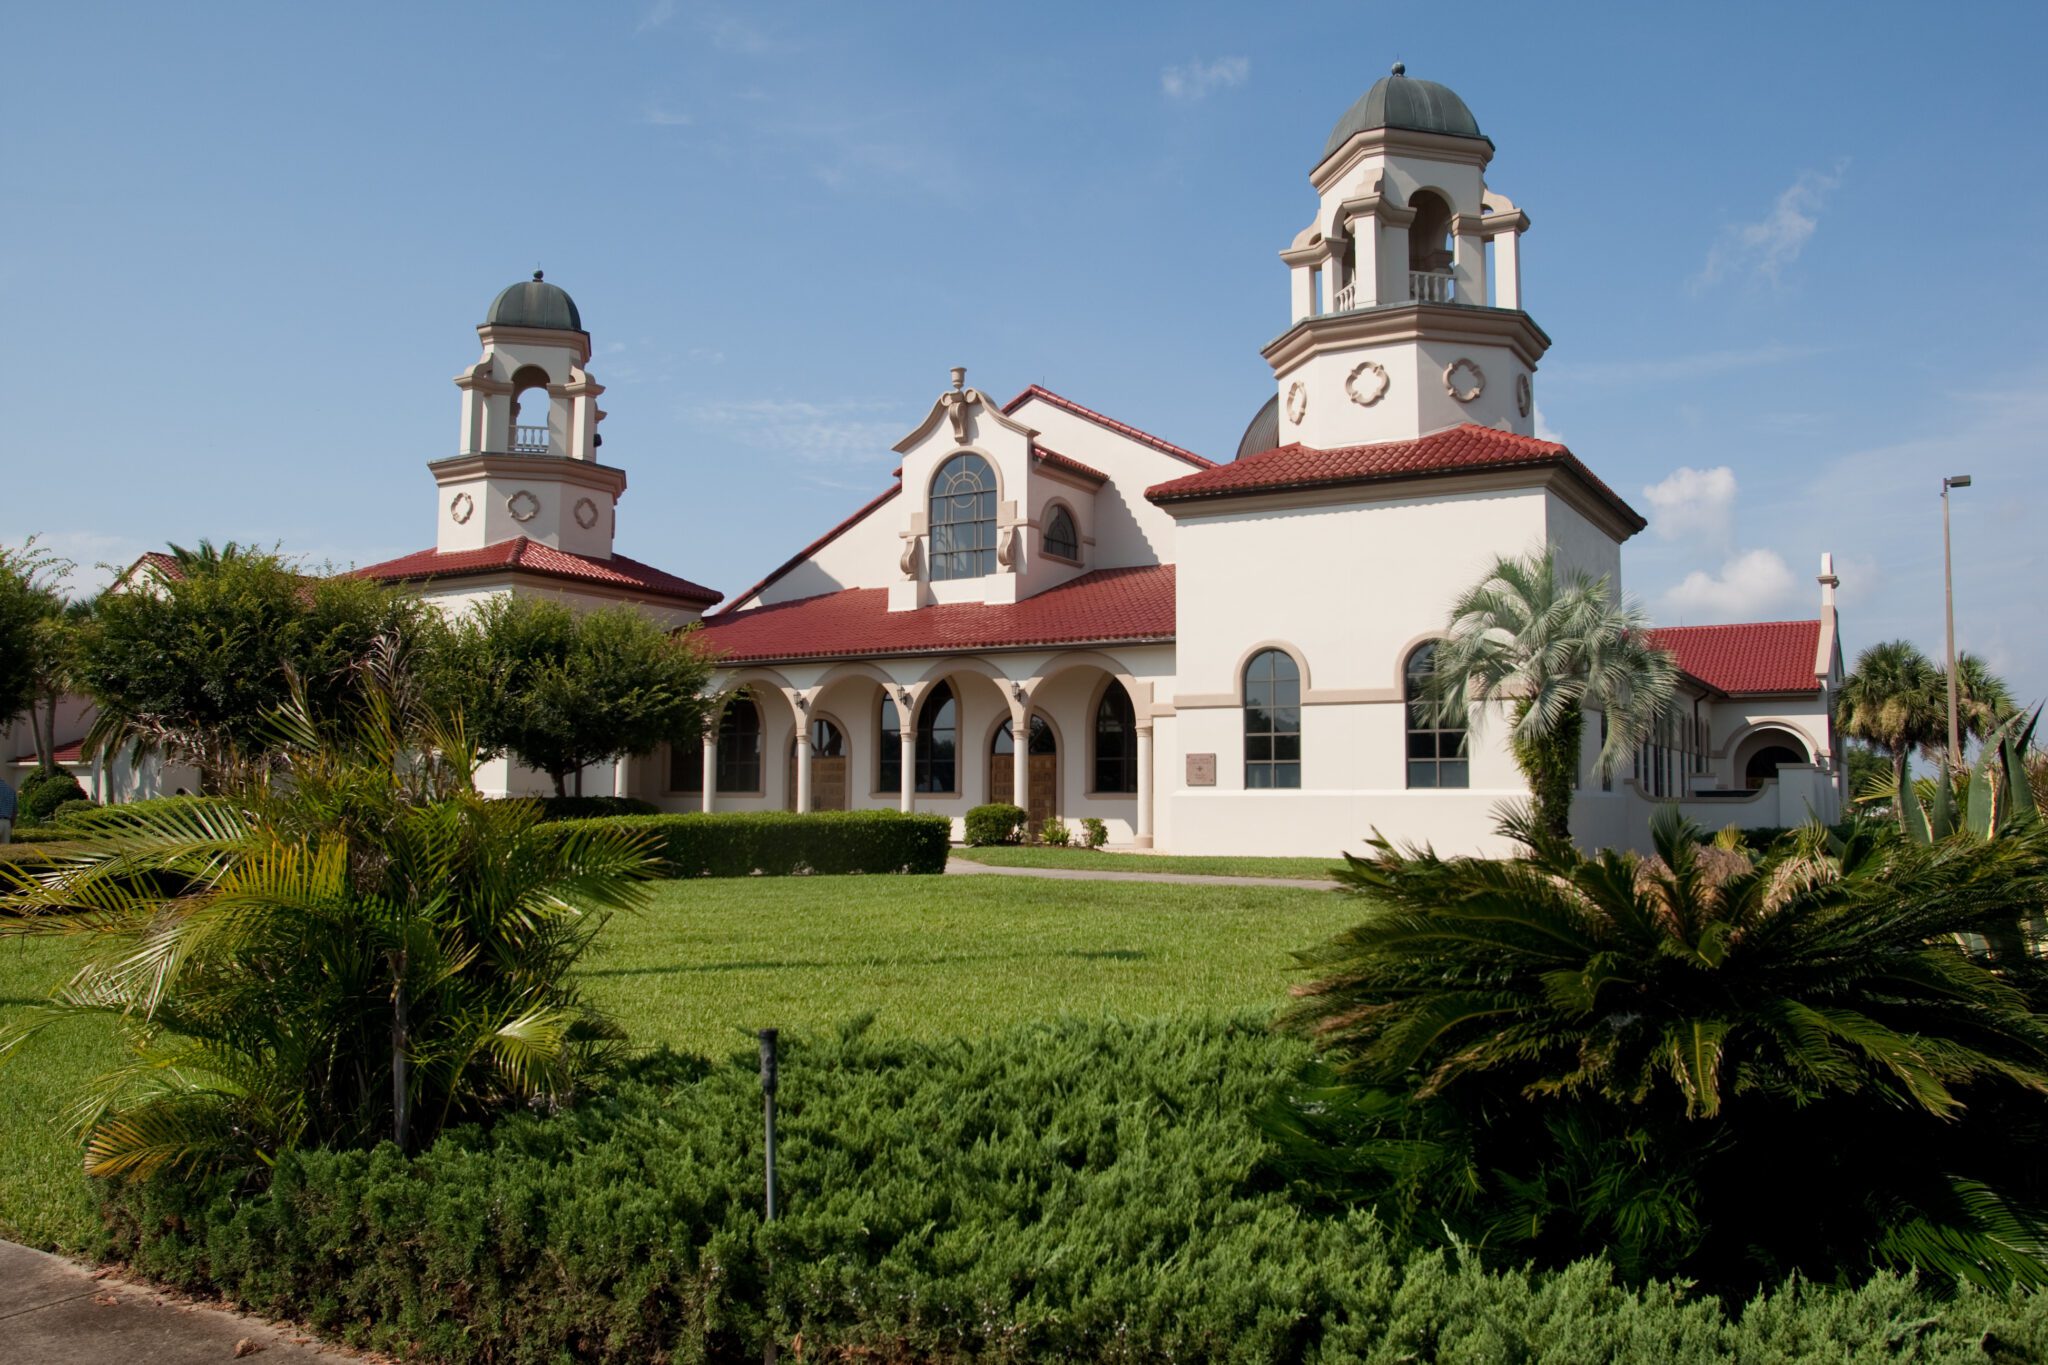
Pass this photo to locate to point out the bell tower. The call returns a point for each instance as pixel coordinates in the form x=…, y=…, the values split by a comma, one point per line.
x=527, y=462
x=1406, y=301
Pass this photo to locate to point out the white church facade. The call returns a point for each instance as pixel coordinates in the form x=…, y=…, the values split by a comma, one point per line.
x=1210, y=656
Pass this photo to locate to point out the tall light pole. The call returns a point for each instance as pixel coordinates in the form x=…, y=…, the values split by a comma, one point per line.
x=1948, y=589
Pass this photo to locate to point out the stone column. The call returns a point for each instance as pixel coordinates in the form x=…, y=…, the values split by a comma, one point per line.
x=710, y=767
x=1468, y=260
x=803, y=770
x=622, y=775
x=1020, y=757
x=1365, y=261
x=1144, y=831
x=908, y=748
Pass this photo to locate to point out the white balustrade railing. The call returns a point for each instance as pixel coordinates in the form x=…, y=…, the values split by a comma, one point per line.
x=1347, y=298
x=529, y=440
x=1430, y=286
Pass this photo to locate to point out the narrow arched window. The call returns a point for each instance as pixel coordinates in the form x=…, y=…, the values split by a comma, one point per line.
x=963, y=519
x=686, y=765
x=1272, y=721
x=1061, y=538
x=889, y=752
x=938, y=733
x=739, y=747
x=1436, y=746
x=1116, y=741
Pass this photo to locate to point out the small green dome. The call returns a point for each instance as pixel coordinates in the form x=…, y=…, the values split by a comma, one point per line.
x=1396, y=101
x=535, y=303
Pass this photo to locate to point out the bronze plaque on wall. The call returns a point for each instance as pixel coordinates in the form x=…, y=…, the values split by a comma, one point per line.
x=1201, y=770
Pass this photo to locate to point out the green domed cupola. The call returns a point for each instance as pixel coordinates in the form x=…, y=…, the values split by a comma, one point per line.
x=535, y=303
x=1397, y=101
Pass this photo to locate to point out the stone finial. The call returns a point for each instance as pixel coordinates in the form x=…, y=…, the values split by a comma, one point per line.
x=1400, y=68
x=959, y=377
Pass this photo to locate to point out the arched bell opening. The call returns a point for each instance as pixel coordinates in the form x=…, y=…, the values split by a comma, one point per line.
x=532, y=411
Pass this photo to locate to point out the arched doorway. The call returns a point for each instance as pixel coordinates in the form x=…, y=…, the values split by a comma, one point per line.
x=1763, y=752
x=828, y=767
x=1041, y=778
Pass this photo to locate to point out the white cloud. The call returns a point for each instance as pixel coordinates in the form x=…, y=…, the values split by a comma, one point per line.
x=660, y=115
x=1751, y=586
x=1694, y=504
x=816, y=432
x=1545, y=431
x=657, y=15
x=1198, y=80
x=1762, y=250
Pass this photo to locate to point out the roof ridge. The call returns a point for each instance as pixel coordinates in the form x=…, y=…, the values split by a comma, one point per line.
x=1138, y=434
x=1746, y=625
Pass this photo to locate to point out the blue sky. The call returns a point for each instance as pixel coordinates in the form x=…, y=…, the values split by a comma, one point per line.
x=1787, y=255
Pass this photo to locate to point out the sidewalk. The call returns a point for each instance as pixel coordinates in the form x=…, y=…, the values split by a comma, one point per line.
x=963, y=867
x=58, y=1312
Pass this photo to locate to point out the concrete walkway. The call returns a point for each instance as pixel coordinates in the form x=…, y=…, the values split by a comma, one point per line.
x=963, y=867
x=58, y=1312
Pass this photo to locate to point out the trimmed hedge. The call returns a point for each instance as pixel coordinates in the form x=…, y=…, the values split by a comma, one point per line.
x=42, y=792
x=782, y=844
x=594, y=807
x=1081, y=1191
x=998, y=822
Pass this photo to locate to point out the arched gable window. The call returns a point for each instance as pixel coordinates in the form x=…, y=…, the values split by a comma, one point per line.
x=1272, y=721
x=938, y=732
x=739, y=747
x=963, y=519
x=889, y=751
x=1436, y=747
x=1116, y=741
x=1060, y=536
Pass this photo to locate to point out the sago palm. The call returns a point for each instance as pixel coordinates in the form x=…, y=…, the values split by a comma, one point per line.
x=358, y=947
x=1551, y=642
x=1698, y=1063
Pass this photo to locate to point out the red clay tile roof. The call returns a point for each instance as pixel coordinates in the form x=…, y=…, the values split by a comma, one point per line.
x=1753, y=657
x=1122, y=429
x=521, y=555
x=74, y=752
x=1459, y=450
x=820, y=543
x=1122, y=605
x=1067, y=462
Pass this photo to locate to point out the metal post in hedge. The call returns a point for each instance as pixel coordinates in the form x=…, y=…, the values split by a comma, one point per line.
x=767, y=1037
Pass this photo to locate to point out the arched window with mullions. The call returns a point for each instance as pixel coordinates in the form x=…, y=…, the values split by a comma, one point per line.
x=889, y=749
x=1272, y=721
x=1116, y=741
x=1437, y=755
x=1061, y=539
x=938, y=733
x=963, y=519
x=739, y=747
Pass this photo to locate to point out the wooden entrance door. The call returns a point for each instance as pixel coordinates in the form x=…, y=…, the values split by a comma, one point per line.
x=1041, y=778
x=828, y=768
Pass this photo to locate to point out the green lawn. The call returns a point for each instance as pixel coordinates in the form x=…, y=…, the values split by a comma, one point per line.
x=1099, y=860
x=713, y=960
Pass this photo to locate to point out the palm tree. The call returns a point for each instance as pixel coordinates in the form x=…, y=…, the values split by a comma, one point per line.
x=352, y=947
x=1896, y=700
x=1553, y=642
x=1982, y=701
x=1698, y=1062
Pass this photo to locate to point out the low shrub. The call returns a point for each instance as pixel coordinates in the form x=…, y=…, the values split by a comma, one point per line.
x=594, y=807
x=42, y=792
x=781, y=844
x=1094, y=832
x=1054, y=832
x=76, y=806
x=998, y=822
x=1081, y=1191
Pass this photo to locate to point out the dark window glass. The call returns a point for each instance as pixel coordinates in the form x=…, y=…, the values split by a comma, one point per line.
x=1436, y=750
x=889, y=754
x=963, y=520
x=1042, y=741
x=1272, y=721
x=686, y=766
x=1116, y=742
x=938, y=729
x=826, y=741
x=1060, y=536
x=739, y=747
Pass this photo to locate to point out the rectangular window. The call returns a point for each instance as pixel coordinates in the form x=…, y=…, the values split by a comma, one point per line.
x=889, y=751
x=686, y=766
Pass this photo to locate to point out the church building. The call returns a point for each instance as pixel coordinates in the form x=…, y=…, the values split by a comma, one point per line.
x=1051, y=607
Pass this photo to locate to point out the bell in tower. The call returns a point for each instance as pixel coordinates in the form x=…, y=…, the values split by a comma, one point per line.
x=1406, y=289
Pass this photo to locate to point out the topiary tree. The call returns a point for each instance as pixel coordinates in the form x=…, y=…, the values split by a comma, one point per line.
x=562, y=690
x=44, y=790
